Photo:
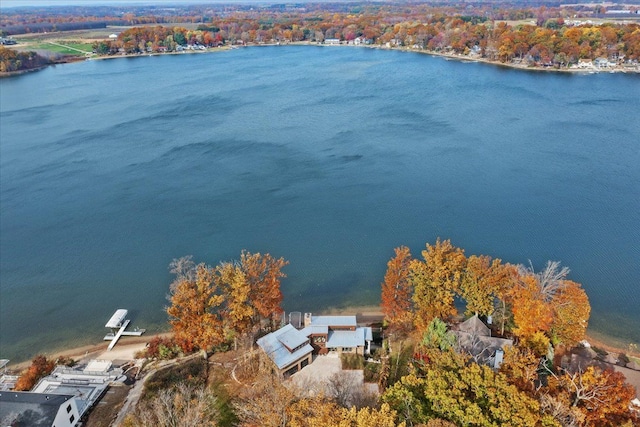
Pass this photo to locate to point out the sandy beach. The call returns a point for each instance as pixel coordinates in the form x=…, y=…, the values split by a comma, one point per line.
x=126, y=349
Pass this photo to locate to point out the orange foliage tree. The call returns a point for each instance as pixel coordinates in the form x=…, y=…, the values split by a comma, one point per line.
x=210, y=305
x=531, y=313
x=263, y=274
x=40, y=367
x=397, y=290
x=194, y=313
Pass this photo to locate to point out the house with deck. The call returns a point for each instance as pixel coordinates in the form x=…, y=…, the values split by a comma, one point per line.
x=339, y=334
x=291, y=349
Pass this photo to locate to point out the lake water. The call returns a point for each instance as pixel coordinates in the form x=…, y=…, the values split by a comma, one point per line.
x=328, y=157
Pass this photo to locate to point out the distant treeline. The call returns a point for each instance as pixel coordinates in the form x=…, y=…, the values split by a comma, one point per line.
x=11, y=60
x=55, y=18
x=549, y=42
x=49, y=27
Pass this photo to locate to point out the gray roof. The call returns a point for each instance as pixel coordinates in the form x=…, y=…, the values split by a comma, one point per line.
x=333, y=320
x=348, y=338
x=277, y=352
x=30, y=409
x=292, y=339
x=475, y=326
x=315, y=330
x=481, y=346
x=368, y=334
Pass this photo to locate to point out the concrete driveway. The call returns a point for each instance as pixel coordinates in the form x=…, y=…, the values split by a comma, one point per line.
x=314, y=378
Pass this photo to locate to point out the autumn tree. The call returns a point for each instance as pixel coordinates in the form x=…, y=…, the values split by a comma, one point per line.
x=520, y=366
x=194, y=313
x=40, y=367
x=531, y=311
x=482, y=281
x=571, y=314
x=397, y=290
x=265, y=402
x=319, y=412
x=464, y=393
x=239, y=313
x=263, y=273
x=602, y=396
x=436, y=281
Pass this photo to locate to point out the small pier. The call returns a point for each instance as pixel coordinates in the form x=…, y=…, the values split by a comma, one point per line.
x=118, y=325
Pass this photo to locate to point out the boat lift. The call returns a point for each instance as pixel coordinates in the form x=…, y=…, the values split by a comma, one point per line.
x=118, y=325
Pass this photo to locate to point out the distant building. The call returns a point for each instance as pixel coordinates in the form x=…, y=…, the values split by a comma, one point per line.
x=19, y=408
x=332, y=41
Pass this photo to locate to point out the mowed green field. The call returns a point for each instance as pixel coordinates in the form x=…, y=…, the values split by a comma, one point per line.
x=60, y=46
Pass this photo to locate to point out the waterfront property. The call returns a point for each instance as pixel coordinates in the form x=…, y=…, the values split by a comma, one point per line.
x=291, y=349
x=474, y=337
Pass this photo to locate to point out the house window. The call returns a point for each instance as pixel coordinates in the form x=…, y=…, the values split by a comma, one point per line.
x=347, y=349
x=68, y=409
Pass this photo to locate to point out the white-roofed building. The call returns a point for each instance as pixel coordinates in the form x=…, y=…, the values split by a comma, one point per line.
x=87, y=384
x=288, y=348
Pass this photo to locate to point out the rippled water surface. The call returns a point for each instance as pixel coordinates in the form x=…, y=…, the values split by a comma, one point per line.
x=329, y=157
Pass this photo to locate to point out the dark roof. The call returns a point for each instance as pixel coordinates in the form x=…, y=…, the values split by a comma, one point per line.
x=18, y=408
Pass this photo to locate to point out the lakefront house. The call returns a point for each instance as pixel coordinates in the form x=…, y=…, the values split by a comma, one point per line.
x=291, y=349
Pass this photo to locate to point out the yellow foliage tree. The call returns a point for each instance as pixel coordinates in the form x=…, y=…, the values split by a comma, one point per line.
x=571, y=314
x=435, y=281
x=482, y=281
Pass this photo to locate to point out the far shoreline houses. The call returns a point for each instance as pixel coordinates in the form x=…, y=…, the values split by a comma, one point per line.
x=292, y=349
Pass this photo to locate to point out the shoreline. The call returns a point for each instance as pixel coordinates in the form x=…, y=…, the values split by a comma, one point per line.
x=447, y=56
x=365, y=314
x=93, y=351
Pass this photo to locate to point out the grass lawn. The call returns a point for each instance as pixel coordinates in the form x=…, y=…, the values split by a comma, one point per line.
x=62, y=47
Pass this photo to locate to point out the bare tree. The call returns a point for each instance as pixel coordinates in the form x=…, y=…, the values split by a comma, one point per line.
x=347, y=389
x=181, y=406
x=566, y=415
x=183, y=268
x=550, y=279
